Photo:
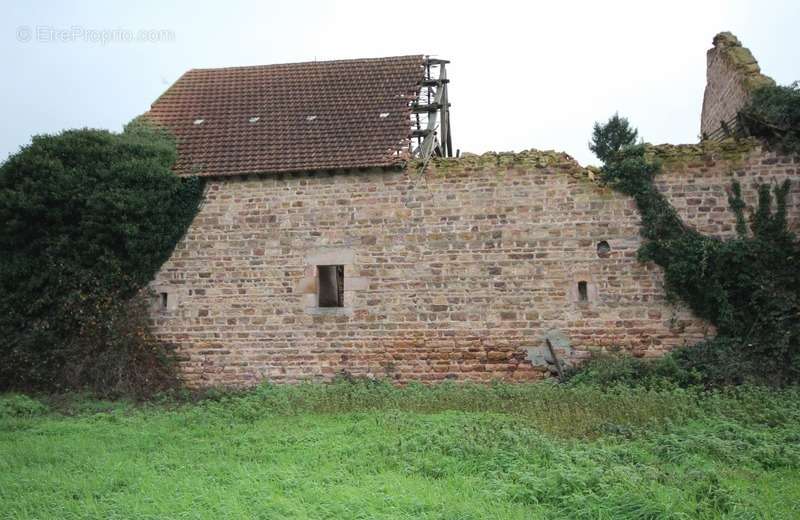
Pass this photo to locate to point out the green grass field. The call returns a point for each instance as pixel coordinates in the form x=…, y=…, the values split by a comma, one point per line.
x=372, y=451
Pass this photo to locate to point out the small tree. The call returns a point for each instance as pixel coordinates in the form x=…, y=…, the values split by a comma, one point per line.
x=610, y=138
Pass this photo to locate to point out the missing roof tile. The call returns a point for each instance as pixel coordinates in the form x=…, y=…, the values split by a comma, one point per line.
x=198, y=122
x=310, y=118
x=254, y=119
x=384, y=115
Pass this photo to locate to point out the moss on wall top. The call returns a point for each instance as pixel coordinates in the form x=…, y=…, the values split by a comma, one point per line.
x=672, y=156
x=741, y=59
x=680, y=155
x=539, y=159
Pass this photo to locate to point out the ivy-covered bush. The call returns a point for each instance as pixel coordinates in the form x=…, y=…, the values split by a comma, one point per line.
x=86, y=218
x=748, y=286
x=773, y=115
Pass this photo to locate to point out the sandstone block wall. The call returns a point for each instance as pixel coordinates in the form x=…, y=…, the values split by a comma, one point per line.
x=455, y=274
x=697, y=180
x=732, y=74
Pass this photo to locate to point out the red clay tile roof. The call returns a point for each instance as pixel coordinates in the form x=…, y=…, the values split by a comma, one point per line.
x=311, y=116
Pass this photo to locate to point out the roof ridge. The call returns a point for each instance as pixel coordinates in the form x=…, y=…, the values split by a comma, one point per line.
x=310, y=62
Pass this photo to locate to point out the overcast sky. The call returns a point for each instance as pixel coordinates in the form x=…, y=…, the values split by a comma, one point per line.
x=523, y=74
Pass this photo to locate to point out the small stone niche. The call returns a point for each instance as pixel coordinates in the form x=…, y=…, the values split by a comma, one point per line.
x=583, y=291
x=165, y=299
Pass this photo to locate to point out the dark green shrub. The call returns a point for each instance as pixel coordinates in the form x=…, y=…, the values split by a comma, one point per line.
x=606, y=371
x=19, y=405
x=773, y=115
x=86, y=218
x=115, y=353
x=720, y=361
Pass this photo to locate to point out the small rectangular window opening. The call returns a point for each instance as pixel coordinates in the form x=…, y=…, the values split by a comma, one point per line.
x=583, y=292
x=330, y=285
x=163, y=300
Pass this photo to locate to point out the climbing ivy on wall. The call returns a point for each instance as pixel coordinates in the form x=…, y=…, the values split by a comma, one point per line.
x=86, y=218
x=747, y=286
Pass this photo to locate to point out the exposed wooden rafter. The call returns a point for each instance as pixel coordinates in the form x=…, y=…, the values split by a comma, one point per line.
x=431, y=120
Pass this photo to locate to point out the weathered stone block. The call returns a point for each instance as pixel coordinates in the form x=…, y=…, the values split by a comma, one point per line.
x=307, y=285
x=355, y=283
x=330, y=256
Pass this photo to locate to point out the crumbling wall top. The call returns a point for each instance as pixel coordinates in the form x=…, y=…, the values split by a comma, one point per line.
x=729, y=149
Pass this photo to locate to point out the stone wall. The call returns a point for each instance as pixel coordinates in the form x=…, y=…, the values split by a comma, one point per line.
x=455, y=274
x=732, y=74
x=697, y=180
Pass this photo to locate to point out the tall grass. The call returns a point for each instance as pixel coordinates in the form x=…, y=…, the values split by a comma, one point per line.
x=370, y=450
x=577, y=411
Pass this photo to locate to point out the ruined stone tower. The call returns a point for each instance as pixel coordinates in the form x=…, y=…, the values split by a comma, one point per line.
x=732, y=74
